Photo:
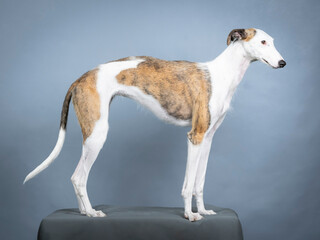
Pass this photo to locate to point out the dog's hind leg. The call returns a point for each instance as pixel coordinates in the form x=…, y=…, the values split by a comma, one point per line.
x=91, y=149
x=92, y=112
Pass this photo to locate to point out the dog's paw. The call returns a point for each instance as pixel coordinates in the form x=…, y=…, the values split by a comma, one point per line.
x=94, y=213
x=206, y=212
x=192, y=216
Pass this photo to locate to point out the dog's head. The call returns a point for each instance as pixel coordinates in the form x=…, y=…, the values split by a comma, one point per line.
x=258, y=46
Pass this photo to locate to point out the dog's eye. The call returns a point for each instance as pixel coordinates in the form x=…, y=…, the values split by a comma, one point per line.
x=264, y=42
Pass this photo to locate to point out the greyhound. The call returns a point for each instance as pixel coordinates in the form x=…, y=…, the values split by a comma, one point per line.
x=179, y=92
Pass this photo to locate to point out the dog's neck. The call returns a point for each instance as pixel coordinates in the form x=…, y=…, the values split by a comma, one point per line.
x=230, y=66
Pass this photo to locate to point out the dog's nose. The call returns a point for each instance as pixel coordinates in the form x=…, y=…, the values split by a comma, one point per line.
x=282, y=63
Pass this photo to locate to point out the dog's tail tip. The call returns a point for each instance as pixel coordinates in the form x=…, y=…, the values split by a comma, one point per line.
x=26, y=179
x=53, y=155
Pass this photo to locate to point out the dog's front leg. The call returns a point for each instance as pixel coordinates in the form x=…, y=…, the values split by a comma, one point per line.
x=202, y=167
x=194, y=152
x=200, y=177
x=200, y=125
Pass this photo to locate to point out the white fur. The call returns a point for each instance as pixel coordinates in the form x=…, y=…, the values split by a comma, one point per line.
x=53, y=155
x=263, y=52
x=194, y=157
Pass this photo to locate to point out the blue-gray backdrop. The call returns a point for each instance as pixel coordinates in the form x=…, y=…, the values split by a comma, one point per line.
x=265, y=157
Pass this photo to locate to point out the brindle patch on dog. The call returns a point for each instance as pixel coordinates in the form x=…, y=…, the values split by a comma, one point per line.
x=182, y=88
x=250, y=32
x=86, y=102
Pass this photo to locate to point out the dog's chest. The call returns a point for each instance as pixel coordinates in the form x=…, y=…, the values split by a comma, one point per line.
x=223, y=89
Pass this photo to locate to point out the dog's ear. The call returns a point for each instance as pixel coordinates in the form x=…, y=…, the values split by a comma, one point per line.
x=236, y=34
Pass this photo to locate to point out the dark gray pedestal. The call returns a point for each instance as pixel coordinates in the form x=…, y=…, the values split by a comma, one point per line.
x=140, y=223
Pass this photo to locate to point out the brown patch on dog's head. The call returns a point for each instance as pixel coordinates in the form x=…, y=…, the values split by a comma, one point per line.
x=250, y=32
x=241, y=34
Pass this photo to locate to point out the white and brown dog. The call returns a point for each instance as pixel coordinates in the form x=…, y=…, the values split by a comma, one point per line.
x=179, y=92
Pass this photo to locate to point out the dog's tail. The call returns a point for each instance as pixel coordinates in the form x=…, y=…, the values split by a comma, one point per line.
x=63, y=123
